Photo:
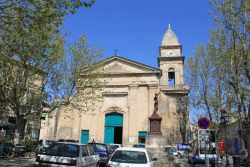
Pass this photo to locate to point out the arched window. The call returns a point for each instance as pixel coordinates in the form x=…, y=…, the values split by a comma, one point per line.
x=171, y=76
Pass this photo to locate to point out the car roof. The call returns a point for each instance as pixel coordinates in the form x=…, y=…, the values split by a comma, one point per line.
x=99, y=143
x=71, y=143
x=131, y=149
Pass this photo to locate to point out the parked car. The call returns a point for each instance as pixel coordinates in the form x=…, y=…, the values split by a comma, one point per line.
x=68, y=154
x=191, y=154
x=132, y=157
x=193, y=157
x=115, y=146
x=43, y=144
x=243, y=156
x=104, y=151
x=67, y=140
x=139, y=145
x=174, y=151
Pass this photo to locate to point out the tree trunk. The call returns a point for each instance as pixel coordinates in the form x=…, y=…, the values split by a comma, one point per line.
x=17, y=131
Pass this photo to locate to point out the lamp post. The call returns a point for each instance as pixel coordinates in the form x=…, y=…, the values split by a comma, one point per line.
x=224, y=120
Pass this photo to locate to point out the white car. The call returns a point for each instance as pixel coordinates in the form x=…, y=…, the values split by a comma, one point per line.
x=115, y=146
x=68, y=154
x=243, y=156
x=43, y=145
x=132, y=157
x=172, y=149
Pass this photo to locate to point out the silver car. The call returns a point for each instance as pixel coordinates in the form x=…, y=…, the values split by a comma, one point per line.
x=68, y=154
x=172, y=150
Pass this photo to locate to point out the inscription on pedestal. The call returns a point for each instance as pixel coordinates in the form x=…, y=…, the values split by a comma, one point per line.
x=155, y=125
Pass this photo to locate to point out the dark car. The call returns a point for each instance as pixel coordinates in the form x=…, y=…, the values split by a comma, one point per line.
x=194, y=158
x=104, y=151
x=67, y=140
x=139, y=145
x=43, y=144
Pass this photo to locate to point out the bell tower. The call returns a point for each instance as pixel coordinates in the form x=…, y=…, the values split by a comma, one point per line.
x=171, y=63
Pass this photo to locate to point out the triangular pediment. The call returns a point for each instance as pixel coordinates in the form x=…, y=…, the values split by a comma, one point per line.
x=117, y=64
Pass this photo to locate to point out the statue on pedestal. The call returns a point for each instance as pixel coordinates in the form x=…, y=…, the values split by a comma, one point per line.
x=155, y=119
x=156, y=103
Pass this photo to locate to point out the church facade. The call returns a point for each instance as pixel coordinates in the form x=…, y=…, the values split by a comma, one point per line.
x=128, y=101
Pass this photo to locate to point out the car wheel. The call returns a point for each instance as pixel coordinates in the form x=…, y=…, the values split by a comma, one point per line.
x=98, y=164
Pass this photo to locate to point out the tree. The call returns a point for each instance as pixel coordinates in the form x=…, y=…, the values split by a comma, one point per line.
x=33, y=57
x=207, y=89
x=233, y=16
x=25, y=88
x=227, y=51
x=26, y=24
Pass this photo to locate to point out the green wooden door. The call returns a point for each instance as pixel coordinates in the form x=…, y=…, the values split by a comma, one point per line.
x=109, y=134
x=112, y=120
x=85, y=137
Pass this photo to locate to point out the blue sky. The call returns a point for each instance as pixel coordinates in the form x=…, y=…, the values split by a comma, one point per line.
x=136, y=27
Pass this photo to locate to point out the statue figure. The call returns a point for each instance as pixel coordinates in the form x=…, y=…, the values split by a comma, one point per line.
x=156, y=103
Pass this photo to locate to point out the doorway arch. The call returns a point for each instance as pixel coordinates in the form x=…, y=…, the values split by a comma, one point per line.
x=113, y=128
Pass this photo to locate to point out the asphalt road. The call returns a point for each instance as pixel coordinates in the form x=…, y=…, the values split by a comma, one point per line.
x=29, y=162
x=18, y=162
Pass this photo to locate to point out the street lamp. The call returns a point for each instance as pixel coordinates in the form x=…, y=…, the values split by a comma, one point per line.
x=224, y=120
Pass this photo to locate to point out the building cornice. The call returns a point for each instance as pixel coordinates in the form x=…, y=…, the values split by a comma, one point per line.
x=170, y=47
x=173, y=58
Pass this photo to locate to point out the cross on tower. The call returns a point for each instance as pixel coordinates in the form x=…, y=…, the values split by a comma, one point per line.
x=116, y=52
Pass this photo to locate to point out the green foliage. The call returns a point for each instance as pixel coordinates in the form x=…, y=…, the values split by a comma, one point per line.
x=6, y=140
x=30, y=145
x=33, y=57
x=218, y=73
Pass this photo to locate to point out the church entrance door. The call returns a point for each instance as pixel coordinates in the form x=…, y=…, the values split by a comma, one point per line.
x=113, y=128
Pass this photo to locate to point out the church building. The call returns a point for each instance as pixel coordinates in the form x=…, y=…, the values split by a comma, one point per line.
x=122, y=116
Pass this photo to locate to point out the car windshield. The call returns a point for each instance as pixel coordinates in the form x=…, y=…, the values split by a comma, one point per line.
x=98, y=147
x=139, y=145
x=72, y=141
x=170, y=149
x=137, y=157
x=49, y=142
x=61, y=140
x=40, y=142
x=61, y=149
x=114, y=147
x=210, y=149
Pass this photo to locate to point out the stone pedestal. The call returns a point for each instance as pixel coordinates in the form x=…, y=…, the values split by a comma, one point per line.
x=156, y=146
x=155, y=125
x=155, y=142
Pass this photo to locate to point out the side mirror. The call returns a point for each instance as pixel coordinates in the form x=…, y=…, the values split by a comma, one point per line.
x=155, y=159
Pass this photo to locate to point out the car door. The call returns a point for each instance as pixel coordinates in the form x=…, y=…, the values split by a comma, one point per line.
x=86, y=161
x=93, y=157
